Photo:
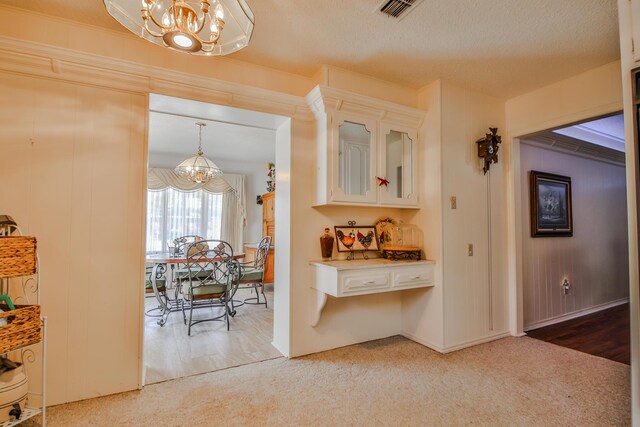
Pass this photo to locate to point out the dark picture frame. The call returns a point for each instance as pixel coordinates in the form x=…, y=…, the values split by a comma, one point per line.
x=347, y=238
x=551, y=209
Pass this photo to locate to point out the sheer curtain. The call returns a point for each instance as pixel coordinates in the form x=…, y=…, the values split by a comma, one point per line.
x=178, y=207
x=172, y=213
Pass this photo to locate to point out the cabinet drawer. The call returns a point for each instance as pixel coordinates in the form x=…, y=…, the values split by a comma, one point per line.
x=412, y=277
x=364, y=283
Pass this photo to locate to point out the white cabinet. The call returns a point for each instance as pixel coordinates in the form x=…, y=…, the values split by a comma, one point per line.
x=363, y=142
x=398, y=164
x=355, y=150
x=362, y=277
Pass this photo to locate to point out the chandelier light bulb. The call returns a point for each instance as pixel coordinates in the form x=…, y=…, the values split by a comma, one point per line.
x=166, y=21
x=219, y=11
x=182, y=41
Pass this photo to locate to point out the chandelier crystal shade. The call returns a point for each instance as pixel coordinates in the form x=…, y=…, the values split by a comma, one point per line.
x=206, y=27
x=198, y=168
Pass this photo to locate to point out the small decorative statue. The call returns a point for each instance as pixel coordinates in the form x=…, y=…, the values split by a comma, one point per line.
x=488, y=148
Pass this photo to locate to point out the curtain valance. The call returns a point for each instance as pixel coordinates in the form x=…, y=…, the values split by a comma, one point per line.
x=161, y=179
x=228, y=184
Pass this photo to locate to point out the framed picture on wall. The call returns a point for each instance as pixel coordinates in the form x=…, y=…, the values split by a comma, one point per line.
x=551, y=212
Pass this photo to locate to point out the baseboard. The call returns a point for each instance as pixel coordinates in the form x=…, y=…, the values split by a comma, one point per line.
x=456, y=347
x=420, y=341
x=483, y=340
x=277, y=347
x=574, y=314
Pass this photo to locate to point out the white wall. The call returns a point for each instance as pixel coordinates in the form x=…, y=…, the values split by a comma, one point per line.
x=590, y=94
x=467, y=305
x=629, y=35
x=73, y=175
x=422, y=309
x=595, y=259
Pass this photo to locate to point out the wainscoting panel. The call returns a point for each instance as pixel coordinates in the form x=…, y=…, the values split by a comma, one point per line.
x=72, y=170
x=595, y=259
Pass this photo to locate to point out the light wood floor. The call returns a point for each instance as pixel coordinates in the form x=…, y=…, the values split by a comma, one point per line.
x=169, y=353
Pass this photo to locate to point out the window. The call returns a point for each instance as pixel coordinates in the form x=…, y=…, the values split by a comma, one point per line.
x=172, y=213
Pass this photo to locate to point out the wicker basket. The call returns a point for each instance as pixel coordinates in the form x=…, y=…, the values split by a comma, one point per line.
x=17, y=256
x=23, y=327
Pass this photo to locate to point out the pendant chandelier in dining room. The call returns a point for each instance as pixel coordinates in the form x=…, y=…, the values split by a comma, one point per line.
x=206, y=27
x=198, y=168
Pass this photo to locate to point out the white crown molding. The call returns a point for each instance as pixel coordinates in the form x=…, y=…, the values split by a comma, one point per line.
x=575, y=147
x=323, y=99
x=36, y=59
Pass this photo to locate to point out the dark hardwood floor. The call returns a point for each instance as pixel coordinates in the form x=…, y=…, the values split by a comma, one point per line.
x=604, y=334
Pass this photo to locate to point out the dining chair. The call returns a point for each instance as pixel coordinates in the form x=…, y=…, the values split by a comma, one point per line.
x=156, y=286
x=182, y=242
x=252, y=273
x=209, y=280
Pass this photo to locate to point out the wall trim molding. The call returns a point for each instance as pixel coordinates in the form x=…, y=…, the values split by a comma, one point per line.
x=324, y=99
x=575, y=314
x=37, y=59
x=573, y=147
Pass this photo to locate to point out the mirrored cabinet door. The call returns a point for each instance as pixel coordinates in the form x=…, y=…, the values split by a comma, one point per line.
x=398, y=164
x=356, y=160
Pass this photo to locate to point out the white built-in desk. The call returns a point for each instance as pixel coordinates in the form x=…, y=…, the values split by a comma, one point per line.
x=362, y=277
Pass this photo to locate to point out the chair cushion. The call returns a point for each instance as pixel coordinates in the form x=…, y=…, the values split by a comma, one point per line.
x=251, y=275
x=160, y=283
x=214, y=289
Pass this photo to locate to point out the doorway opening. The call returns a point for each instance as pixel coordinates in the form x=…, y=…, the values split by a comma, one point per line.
x=236, y=207
x=573, y=229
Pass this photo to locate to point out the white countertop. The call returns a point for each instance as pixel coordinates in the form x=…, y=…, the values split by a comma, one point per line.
x=366, y=263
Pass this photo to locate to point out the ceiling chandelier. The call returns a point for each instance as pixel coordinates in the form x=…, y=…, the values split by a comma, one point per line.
x=206, y=27
x=198, y=168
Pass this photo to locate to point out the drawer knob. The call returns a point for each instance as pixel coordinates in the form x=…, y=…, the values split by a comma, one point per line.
x=416, y=278
x=369, y=282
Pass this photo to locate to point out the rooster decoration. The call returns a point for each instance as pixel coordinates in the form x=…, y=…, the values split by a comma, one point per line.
x=365, y=241
x=347, y=240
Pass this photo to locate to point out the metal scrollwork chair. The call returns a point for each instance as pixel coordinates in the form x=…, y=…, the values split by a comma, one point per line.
x=209, y=280
x=252, y=273
x=156, y=288
x=181, y=243
x=156, y=285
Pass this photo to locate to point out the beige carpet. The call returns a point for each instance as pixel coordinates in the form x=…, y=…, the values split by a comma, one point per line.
x=390, y=382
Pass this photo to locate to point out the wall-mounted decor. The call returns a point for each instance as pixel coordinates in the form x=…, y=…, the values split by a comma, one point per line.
x=352, y=238
x=550, y=198
x=271, y=177
x=488, y=148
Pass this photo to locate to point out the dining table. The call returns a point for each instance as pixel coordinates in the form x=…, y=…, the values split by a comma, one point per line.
x=168, y=258
x=168, y=305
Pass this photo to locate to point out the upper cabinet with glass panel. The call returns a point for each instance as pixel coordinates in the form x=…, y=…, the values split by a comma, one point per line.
x=364, y=160
x=356, y=162
x=398, y=163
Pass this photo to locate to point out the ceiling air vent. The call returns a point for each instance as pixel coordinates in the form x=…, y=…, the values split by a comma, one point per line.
x=396, y=8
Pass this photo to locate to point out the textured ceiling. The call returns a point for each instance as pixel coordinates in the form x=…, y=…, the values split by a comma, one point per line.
x=504, y=47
